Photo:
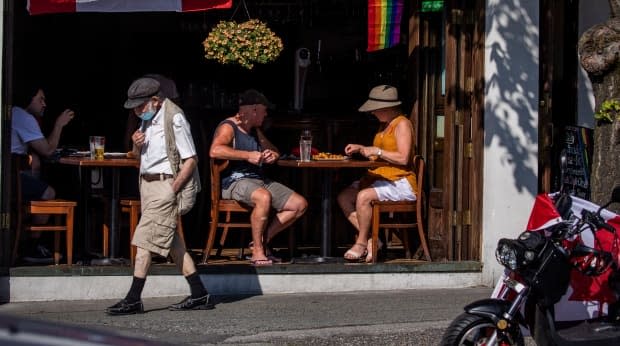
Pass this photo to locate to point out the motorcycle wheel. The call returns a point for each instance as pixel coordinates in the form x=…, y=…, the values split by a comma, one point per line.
x=469, y=330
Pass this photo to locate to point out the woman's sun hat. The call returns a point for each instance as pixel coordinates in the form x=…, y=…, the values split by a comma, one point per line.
x=382, y=96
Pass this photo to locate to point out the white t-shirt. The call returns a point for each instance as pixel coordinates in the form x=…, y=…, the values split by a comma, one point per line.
x=154, y=157
x=24, y=129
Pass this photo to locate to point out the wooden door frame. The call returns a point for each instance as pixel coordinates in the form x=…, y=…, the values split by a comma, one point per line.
x=6, y=235
x=557, y=85
x=460, y=233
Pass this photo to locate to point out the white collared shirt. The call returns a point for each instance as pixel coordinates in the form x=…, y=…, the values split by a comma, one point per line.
x=154, y=158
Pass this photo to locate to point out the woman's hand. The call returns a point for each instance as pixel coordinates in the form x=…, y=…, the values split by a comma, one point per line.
x=369, y=151
x=362, y=150
x=352, y=149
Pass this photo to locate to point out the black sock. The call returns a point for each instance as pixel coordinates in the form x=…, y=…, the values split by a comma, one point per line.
x=196, y=287
x=135, y=292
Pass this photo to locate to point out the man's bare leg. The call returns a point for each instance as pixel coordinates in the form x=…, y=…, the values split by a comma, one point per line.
x=258, y=219
x=293, y=209
x=181, y=257
x=142, y=263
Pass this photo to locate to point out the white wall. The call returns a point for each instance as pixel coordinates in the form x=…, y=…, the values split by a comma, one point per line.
x=590, y=12
x=511, y=123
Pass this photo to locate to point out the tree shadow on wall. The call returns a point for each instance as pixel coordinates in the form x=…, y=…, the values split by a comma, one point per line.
x=511, y=102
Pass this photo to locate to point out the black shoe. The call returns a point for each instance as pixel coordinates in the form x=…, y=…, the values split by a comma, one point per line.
x=126, y=308
x=189, y=303
x=40, y=255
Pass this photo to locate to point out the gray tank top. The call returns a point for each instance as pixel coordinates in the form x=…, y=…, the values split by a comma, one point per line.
x=238, y=169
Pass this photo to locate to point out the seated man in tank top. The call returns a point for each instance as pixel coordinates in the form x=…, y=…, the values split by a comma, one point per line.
x=392, y=143
x=240, y=140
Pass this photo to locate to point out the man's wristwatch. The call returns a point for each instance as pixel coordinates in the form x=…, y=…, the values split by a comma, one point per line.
x=379, y=152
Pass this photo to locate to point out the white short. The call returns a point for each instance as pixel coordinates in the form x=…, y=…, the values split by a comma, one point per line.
x=399, y=190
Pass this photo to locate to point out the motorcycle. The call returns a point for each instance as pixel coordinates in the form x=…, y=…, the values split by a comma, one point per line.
x=561, y=256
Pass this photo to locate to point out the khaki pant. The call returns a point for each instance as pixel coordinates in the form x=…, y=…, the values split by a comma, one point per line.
x=157, y=227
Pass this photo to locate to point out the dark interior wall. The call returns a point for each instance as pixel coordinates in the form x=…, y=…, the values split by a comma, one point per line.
x=87, y=60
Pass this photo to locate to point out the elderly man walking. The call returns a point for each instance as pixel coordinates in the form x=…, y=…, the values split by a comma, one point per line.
x=167, y=171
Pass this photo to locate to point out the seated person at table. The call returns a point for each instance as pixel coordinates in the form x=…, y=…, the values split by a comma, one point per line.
x=240, y=140
x=30, y=145
x=393, y=143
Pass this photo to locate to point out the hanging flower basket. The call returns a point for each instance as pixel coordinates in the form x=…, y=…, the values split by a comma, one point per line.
x=244, y=43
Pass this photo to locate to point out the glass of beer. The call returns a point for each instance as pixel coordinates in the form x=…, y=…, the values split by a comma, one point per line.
x=97, y=147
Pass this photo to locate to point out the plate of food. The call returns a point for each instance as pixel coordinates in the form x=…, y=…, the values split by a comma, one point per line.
x=81, y=153
x=115, y=155
x=322, y=156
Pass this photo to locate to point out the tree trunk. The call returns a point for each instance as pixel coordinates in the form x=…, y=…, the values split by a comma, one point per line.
x=606, y=157
x=599, y=51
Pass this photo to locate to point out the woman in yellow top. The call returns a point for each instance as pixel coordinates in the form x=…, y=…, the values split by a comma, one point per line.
x=393, y=143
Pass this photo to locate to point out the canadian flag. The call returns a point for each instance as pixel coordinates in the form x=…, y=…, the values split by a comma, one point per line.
x=59, y=6
x=596, y=287
x=543, y=214
x=587, y=296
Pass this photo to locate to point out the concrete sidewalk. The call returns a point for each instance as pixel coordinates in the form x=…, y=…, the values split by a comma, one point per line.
x=404, y=317
x=48, y=283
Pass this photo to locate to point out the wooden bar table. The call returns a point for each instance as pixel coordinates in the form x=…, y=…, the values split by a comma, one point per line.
x=327, y=168
x=114, y=163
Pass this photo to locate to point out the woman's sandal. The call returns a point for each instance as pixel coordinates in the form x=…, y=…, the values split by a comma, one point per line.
x=352, y=256
x=369, y=247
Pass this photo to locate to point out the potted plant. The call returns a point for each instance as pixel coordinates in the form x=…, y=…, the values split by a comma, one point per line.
x=244, y=43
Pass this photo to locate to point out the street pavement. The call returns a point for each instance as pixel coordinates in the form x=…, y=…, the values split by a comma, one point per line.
x=408, y=317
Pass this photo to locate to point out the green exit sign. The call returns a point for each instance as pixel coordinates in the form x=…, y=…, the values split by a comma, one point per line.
x=432, y=6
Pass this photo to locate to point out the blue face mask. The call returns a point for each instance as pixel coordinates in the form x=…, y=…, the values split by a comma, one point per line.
x=149, y=114
x=146, y=116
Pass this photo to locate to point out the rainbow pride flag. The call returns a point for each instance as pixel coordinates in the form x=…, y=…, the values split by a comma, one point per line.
x=384, y=17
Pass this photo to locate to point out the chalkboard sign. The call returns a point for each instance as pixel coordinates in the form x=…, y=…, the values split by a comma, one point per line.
x=578, y=152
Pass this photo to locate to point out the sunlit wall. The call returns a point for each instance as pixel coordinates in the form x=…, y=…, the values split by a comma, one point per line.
x=511, y=123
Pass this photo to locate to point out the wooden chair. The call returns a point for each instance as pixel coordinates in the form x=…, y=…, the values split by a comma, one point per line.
x=409, y=207
x=219, y=205
x=133, y=208
x=57, y=208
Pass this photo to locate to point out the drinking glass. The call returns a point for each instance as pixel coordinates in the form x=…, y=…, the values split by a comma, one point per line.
x=97, y=147
x=305, y=146
x=91, y=141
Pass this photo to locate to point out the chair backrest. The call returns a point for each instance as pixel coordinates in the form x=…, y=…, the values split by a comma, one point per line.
x=16, y=193
x=19, y=163
x=216, y=167
x=418, y=168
